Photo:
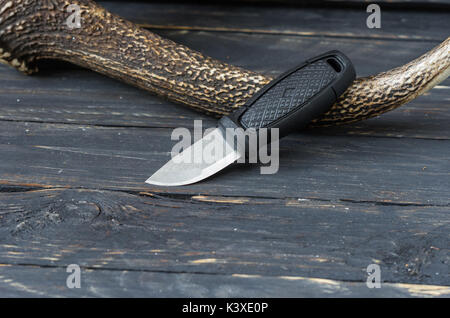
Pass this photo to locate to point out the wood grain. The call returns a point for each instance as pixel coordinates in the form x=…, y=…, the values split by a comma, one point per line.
x=403, y=171
x=316, y=22
x=35, y=281
x=146, y=232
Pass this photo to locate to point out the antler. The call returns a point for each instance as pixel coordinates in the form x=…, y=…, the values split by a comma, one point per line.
x=31, y=30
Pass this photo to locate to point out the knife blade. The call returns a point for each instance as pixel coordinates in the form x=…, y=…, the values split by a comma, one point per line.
x=287, y=103
x=183, y=168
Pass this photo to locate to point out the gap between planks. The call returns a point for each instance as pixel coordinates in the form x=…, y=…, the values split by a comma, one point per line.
x=318, y=130
x=9, y=187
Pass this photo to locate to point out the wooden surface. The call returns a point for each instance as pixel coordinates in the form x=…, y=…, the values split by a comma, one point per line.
x=76, y=148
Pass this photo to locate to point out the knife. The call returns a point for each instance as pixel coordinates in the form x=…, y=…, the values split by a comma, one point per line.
x=287, y=103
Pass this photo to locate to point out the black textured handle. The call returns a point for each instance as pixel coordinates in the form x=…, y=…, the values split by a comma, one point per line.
x=296, y=97
x=289, y=94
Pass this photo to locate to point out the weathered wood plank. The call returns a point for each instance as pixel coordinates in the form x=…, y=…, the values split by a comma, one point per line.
x=34, y=281
x=282, y=20
x=424, y=4
x=222, y=235
x=398, y=171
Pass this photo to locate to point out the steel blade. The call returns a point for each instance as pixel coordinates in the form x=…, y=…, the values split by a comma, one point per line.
x=186, y=168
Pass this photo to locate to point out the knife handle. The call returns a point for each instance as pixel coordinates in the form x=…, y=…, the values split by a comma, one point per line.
x=299, y=95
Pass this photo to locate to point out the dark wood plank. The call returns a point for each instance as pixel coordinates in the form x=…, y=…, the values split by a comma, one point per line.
x=321, y=20
x=205, y=235
x=398, y=171
x=35, y=281
x=424, y=4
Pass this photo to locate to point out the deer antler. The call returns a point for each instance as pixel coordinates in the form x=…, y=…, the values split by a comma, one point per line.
x=31, y=30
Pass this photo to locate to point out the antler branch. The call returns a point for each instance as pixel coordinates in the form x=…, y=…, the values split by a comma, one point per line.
x=31, y=30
